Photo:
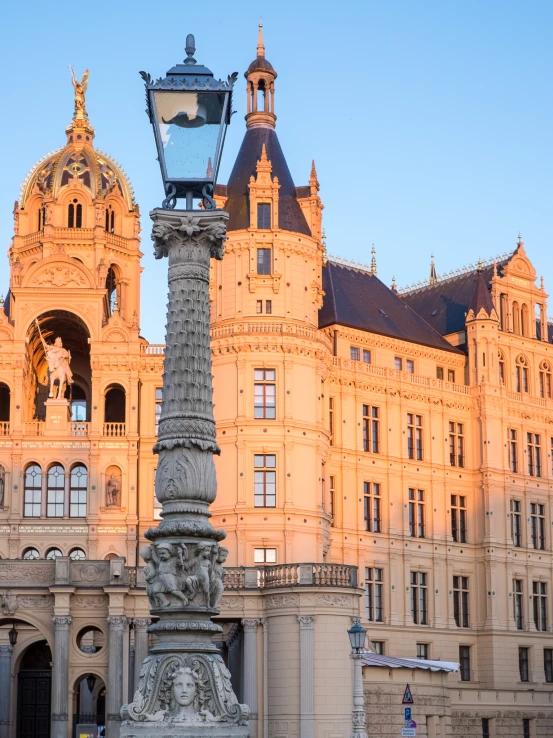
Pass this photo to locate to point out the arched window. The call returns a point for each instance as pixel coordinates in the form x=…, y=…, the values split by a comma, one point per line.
x=31, y=554
x=111, y=286
x=55, y=499
x=114, y=411
x=77, y=554
x=78, y=404
x=501, y=365
x=41, y=217
x=75, y=214
x=77, y=491
x=545, y=379
x=33, y=491
x=53, y=553
x=110, y=220
x=521, y=374
x=516, y=318
x=524, y=320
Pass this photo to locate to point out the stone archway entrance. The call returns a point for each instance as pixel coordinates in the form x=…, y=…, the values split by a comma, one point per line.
x=34, y=688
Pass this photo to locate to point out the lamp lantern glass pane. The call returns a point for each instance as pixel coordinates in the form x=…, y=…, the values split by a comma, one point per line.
x=357, y=635
x=188, y=126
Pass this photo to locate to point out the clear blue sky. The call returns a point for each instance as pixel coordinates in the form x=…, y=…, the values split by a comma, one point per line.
x=430, y=122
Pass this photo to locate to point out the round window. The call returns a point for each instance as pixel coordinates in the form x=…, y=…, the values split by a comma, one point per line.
x=90, y=639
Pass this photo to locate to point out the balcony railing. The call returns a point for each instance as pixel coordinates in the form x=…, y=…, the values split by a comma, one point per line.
x=291, y=575
x=153, y=349
x=115, y=429
x=4, y=428
x=79, y=428
x=33, y=427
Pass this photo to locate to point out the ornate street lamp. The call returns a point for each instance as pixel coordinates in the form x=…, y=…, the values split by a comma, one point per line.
x=12, y=635
x=184, y=687
x=357, y=636
x=189, y=111
x=90, y=682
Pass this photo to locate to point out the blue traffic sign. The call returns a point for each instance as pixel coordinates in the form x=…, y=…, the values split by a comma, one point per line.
x=407, y=713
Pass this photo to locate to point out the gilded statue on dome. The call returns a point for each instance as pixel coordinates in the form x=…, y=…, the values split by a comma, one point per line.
x=80, y=90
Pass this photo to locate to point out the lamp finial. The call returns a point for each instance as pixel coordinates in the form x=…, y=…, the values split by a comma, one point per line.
x=260, y=42
x=190, y=49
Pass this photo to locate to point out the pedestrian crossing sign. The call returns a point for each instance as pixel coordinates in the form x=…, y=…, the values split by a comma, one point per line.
x=407, y=697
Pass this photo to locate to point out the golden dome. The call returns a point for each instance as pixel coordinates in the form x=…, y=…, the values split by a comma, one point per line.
x=77, y=162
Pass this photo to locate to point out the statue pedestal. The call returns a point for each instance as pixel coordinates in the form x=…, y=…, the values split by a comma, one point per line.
x=57, y=417
x=175, y=730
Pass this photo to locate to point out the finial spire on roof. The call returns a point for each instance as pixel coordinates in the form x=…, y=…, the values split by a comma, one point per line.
x=433, y=275
x=520, y=242
x=260, y=42
x=373, y=260
x=479, y=265
x=80, y=116
x=394, y=285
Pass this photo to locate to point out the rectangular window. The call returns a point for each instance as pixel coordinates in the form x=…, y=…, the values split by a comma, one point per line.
x=526, y=728
x=159, y=398
x=485, y=727
x=545, y=383
x=263, y=215
x=332, y=492
x=372, y=507
x=523, y=664
x=537, y=525
x=263, y=261
x=259, y=307
x=55, y=498
x=331, y=419
x=268, y=306
x=264, y=480
x=533, y=442
x=456, y=445
x=451, y=375
x=513, y=451
x=366, y=356
x=414, y=436
x=464, y=663
x=410, y=366
x=518, y=604
x=461, y=601
x=378, y=647
x=548, y=664
x=374, y=609
x=398, y=363
x=264, y=556
x=417, y=517
x=354, y=353
x=419, y=597
x=439, y=372
x=459, y=518
x=516, y=523
x=539, y=601
x=264, y=393
x=371, y=429
x=77, y=502
x=422, y=650
x=521, y=376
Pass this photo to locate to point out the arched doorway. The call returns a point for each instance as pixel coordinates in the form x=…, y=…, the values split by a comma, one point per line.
x=90, y=704
x=75, y=337
x=34, y=688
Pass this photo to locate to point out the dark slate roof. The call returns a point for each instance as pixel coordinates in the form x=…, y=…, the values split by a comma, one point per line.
x=291, y=217
x=260, y=64
x=445, y=303
x=481, y=297
x=360, y=300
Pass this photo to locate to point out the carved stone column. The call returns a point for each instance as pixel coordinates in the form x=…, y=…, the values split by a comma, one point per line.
x=118, y=626
x=140, y=646
x=60, y=677
x=307, y=675
x=183, y=681
x=358, y=716
x=251, y=678
x=5, y=689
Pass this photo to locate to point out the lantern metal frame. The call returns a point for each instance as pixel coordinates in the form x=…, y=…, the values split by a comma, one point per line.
x=189, y=77
x=357, y=636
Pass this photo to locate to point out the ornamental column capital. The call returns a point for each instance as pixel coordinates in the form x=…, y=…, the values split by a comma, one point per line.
x=141, y=624
x=117, y=622
x=250, y=624
x=307, y=622
x=62, y=622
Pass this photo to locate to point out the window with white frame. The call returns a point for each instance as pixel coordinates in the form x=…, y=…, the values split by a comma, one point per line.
x=264, y=480
x=265, y=555
x=419, y=597
x=264, y=394
x=374, y=607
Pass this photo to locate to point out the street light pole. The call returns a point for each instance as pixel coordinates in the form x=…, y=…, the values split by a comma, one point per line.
x=357, y=635
x=184, y=687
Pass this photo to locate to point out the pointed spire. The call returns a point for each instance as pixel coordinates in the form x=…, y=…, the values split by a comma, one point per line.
x=495, y=269
x=433, y=275
x=323, y=239
x=263, y=153
x=2, y=299
x=520, y=242
x=542, y=284
x=394, y=285
x=373, y=261
x=260, y=42
x=481, y=297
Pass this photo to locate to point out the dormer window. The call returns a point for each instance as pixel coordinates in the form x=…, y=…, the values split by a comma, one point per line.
x=75, y=215
x=263, y=215
x=263, y=261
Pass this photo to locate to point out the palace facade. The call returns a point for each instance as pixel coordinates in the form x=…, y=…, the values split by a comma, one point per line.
x=381, y=451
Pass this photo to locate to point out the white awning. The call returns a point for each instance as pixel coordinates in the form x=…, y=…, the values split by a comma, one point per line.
x=393, y=662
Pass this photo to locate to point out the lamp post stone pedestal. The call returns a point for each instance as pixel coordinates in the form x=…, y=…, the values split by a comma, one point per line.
x=184, y=688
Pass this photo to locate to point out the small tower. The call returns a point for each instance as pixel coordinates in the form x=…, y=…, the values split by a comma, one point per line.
x=433, y=275
x=373, y=260
x=261, y=88
x=482, y=324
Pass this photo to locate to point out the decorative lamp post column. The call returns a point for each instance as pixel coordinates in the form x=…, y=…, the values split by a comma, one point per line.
x=184, y=687
x=357, y=635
